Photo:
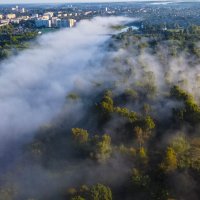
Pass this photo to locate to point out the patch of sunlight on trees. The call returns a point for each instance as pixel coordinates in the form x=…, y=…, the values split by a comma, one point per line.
x=190, y=112
x=80, y=135
x=169, y=163
x=94, y=192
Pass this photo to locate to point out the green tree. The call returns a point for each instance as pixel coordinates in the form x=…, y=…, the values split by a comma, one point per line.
x=100, y=192
x=180, y=144
x=182, y=149
x=101, y=147
x=139, y=136
x=170, y=161
x=149, y=123
x=146, y=109
x=139, y=179
x=190, y=111
x=80, y=135
x=107, y=103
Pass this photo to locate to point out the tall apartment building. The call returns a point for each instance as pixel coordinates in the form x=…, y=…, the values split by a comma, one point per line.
x=43, y=23
x=72, y=22
x=62, y=23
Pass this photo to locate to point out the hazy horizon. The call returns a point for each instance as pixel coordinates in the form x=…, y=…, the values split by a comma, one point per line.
x=85, y=1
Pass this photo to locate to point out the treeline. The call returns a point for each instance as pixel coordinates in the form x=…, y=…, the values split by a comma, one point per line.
x=12, y=37
x=177, y=39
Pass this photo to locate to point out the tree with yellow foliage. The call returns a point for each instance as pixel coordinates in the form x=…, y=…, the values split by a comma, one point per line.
x=170, y=161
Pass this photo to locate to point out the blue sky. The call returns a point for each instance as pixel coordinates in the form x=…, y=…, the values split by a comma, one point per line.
x=63, y=1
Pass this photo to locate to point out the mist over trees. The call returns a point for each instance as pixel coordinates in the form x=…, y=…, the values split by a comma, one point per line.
x=130, y=130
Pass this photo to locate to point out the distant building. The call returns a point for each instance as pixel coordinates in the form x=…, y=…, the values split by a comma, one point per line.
x=23, y=10
x=15, y=8
x=10, y=16
x=72, y=22
x=48, y=14
x=4, y=22
x=62, y=23
x=88, y=13
x=43, y=23
x=54, y=21
x=35, y=15
x=25, y=17
x=46, y=17
x=15, y=21
x=1, y=16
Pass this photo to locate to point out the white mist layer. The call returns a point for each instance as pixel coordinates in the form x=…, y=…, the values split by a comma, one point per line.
x=33, y=85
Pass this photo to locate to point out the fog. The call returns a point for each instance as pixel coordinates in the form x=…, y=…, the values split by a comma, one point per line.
x=33, y=85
